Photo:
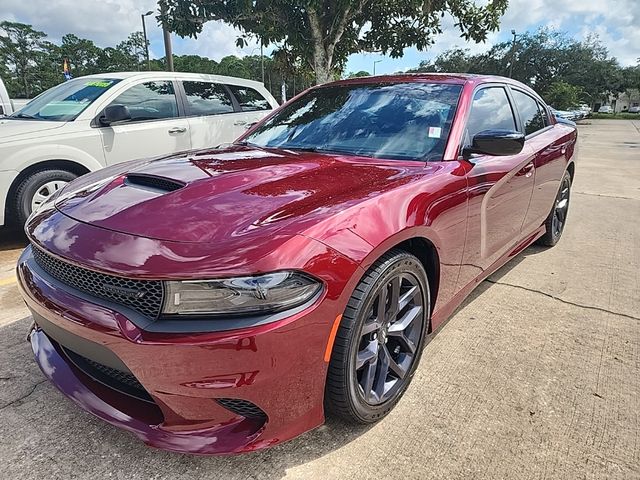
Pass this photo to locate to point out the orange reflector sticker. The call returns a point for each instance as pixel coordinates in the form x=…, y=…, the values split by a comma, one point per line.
x=332, y=338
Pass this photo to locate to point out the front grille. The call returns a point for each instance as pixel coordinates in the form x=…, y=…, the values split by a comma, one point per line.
x=123, y=382
x=243, y=408
x=144, y=296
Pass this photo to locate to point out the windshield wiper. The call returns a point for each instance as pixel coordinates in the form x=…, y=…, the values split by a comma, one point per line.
x=334, y=151
x=24, y=115
x=244, y=143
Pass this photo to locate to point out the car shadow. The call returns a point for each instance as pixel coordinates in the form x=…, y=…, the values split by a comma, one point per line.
x=12, y=238
x=58, y=429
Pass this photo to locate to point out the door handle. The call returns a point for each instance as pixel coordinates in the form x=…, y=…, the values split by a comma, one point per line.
x=240, y=123
x=527, y=170
x=178, y=130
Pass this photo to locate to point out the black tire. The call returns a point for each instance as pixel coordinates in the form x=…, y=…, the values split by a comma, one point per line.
x=557, y=218
x=20, y=203
x=344, y=394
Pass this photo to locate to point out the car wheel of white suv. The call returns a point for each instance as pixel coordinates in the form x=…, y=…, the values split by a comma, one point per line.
x=36, y=189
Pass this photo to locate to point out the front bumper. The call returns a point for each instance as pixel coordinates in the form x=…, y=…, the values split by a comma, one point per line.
x=277, y=367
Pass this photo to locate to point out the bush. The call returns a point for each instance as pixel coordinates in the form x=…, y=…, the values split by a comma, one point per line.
x=615, y=116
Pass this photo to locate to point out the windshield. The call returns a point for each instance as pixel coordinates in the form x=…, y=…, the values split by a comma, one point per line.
x=408, y=121
x=66, y=101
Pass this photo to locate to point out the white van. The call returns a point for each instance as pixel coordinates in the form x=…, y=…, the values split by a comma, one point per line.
x=90, y=122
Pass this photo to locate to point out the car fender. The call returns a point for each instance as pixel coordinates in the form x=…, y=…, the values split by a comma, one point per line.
x=23, y=158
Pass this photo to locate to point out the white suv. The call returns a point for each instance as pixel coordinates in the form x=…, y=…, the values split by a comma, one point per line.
x=90, y=122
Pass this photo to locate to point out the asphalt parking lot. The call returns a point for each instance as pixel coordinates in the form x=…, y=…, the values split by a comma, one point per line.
x=536, y=376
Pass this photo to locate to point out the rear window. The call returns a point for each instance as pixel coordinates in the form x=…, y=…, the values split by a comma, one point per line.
x=530, y=114
x=409, y=121
x=207, y=98
x=250, y=100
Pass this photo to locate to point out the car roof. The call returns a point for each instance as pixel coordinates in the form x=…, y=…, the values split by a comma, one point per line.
x=454, y=78
x=468, y=79
x=163, y=75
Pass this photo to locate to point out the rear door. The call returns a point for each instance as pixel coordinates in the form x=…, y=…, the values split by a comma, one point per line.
x=500, y=187
x=253, y=105
x=156, y=126
x=550, y=149
x=214, y=118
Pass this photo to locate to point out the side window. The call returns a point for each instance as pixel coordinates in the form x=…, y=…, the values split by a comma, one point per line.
x=530, y=114
x=149, y=101
x=207, y=98
x=249, y=99
x=490, y=110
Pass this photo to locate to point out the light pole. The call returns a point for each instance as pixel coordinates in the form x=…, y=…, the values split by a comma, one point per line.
x=168, y=51
x=513, y=53
x=262, y=59
x=374, y=66
x=144, y=32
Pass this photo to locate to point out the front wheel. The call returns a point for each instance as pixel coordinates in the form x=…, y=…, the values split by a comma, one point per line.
x=380, y=339
x=557, y=218
x=36, y=189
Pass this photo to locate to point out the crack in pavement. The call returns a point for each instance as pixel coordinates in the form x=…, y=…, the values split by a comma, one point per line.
x=588, y=307
x=601, y=195
x=23, y=397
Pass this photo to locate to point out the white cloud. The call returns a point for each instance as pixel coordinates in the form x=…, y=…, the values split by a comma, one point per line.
x=106, y=22
x=217, y=40
x=615, y=21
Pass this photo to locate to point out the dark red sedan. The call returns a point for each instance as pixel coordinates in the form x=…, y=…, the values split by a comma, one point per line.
x=223, y=301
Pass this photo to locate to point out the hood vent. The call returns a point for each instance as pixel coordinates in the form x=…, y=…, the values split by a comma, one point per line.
x=149, y=182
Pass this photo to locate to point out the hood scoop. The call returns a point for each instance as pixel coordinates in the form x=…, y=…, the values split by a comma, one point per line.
x=153, y=183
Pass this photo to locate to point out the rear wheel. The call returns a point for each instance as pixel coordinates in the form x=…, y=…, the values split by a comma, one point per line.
x=35, y=189
x=380, y=339
x=557, y=218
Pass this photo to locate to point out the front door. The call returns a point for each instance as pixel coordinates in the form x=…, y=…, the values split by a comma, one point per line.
x=500, y=188
x=156, y=127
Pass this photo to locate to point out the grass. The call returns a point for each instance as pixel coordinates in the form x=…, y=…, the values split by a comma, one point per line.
x=615, y=116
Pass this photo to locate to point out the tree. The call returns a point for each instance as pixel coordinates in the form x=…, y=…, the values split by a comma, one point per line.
x=562, y=95
x=20, y=48
x=361, y=73
x=82, y=55
x=324, y=33
x=542, y=59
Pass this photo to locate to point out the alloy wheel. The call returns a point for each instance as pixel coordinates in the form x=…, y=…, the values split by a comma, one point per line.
x=389, y=338
x=561, y=208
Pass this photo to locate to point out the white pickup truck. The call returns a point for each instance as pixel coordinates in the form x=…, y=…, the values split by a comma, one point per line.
x=8, y=106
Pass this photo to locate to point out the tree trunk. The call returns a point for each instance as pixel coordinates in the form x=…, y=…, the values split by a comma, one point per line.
x=321, y=68
x=26, y=85
x=321, y=61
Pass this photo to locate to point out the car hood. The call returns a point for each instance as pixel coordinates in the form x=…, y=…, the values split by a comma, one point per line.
x=14, y=129
x=222, y=195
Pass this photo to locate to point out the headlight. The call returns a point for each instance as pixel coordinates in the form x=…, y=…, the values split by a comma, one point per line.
x=241, y=295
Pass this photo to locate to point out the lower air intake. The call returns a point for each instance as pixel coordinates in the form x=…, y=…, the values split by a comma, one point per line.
x=243, y=408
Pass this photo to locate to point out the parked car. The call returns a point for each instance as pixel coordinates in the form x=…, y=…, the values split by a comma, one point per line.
x=605, y=109
x=216, y=301
x=586, y=109
x=8, y=105
x=90, y=122
x=566, y=114
x=634, y=109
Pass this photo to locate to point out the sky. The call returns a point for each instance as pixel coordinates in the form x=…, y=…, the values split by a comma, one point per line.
x=107, y=22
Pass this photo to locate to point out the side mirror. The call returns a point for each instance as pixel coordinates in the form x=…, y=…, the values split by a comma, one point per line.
x=496, y=143
x=115, y=115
